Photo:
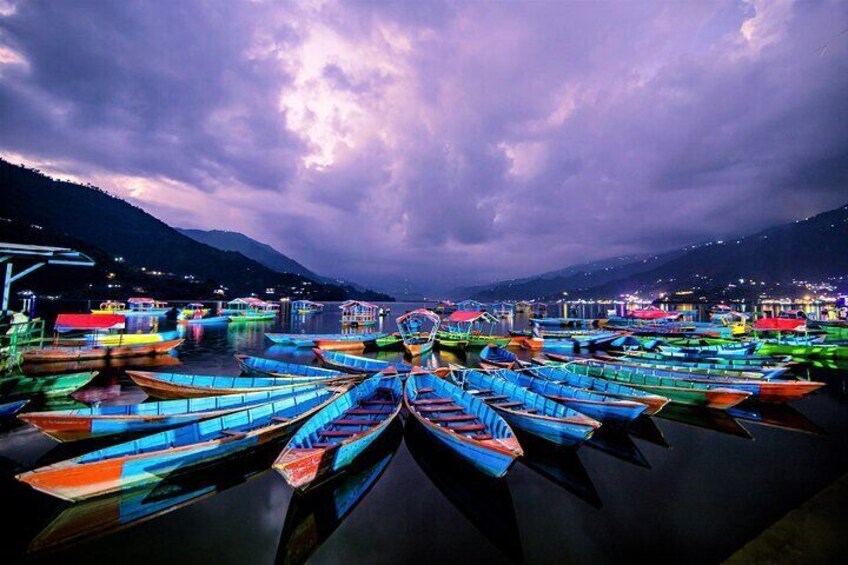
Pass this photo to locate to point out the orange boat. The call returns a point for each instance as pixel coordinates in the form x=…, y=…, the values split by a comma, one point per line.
x=57, y=354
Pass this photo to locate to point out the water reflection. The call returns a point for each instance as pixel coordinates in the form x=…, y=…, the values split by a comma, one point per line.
x=782, y=416
x=313, y=517
x=562, y=467
x=646, y=429
x=615, y=442
x=157, y=361
x=706, y=418
x=485, y=502
x=95, y=518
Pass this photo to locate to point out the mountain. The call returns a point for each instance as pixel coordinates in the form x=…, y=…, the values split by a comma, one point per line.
x=812, y=250
x=108, y=226
x=266, y=255
x=258, y=251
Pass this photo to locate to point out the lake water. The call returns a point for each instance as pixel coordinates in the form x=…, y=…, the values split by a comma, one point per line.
x=687, y=486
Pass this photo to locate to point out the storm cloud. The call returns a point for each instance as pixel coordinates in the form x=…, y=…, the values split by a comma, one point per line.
x=451, y=142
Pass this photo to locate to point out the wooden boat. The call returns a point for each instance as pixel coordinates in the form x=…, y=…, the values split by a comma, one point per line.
x=356, y=364
x=463, y=423
x=736, y=349
x=11, y=408
x=636, y=359
x=194, y=310
x=210, y=321
x=144, y=461
x=312, y=516
x=740, y=362
x=612, y=389
x=603, y=408
x=416, y=339
x=451, y=340
x=762, y=389
x=306, y=307
x=113, y=340
x=172, y=385
x=310, y=340
x=470, y=326
x=526, y=410
x=262, y=367
x=653, y=313
x=389, y=341
x=55, y=354
x=85, y=423
x=677, y=390
x=341, y=431
x=356, y=313
x=52, y=386
x=111, y=307
x=496, y=357
x=804, y=351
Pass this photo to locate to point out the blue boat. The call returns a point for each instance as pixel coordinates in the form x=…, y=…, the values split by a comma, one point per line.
x=264, y=367
x=149, y=459
x=308, y=340
x=496, y=357
x=598, y=406
x=466, y=425
x=174, y=385
x=11, y=408
x=335, y=436
x=211, y=321
x=526, y=410
x=85, y=423
x=356, y=364
x=604, y=387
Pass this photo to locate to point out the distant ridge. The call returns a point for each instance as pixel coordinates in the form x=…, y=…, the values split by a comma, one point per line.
x=814, y=249
x=268, y=256
x=113, y=228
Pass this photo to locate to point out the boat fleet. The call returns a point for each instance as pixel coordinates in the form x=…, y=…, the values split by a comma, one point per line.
x=560, y=383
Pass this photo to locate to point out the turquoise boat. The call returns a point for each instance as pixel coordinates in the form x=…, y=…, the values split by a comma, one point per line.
x=526, y=410
x=334, y=437
x=308, y=340
x=603, y=408
x=141, y=462
x=655, y=402
x=356, y=364
x=85, y=423
x=263, y=367
x=173, y=385
x=496, y=357
x=465, y=424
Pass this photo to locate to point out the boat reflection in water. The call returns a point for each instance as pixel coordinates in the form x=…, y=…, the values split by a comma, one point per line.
x=164, y=360
x=562, y=467
x=646, y=429
x=485, y=502
x=314, y=516
x=782, y=416
x=615, y=441
x=102, y=516
x=707, y=418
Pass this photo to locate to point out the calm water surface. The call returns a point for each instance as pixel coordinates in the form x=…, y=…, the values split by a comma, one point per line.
x=690, y=486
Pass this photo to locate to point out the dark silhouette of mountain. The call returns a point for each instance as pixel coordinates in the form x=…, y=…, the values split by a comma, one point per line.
x=812, y=250
x=276, y=261
x=117, y=229
x=259, y=252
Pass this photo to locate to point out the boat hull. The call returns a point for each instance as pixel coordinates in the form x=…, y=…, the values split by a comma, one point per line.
x=66, y=354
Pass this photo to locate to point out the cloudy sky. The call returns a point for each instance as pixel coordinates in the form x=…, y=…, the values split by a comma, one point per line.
x=455, y=142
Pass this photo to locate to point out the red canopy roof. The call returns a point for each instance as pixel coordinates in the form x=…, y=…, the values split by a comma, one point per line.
x=69, y=322
x=779, y=324
x=466, y=316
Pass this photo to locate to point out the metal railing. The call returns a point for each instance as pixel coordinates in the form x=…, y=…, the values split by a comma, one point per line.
x=16, y=337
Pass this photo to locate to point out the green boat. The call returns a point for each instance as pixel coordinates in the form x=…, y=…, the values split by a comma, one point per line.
x=253, y=317
x=451, y=340
x=391, y=341
x=695, y=368
x=50, y=387
x=677, y=390
x=813, y=351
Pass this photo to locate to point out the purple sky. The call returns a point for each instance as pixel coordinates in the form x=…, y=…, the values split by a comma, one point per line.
x=455, y=143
